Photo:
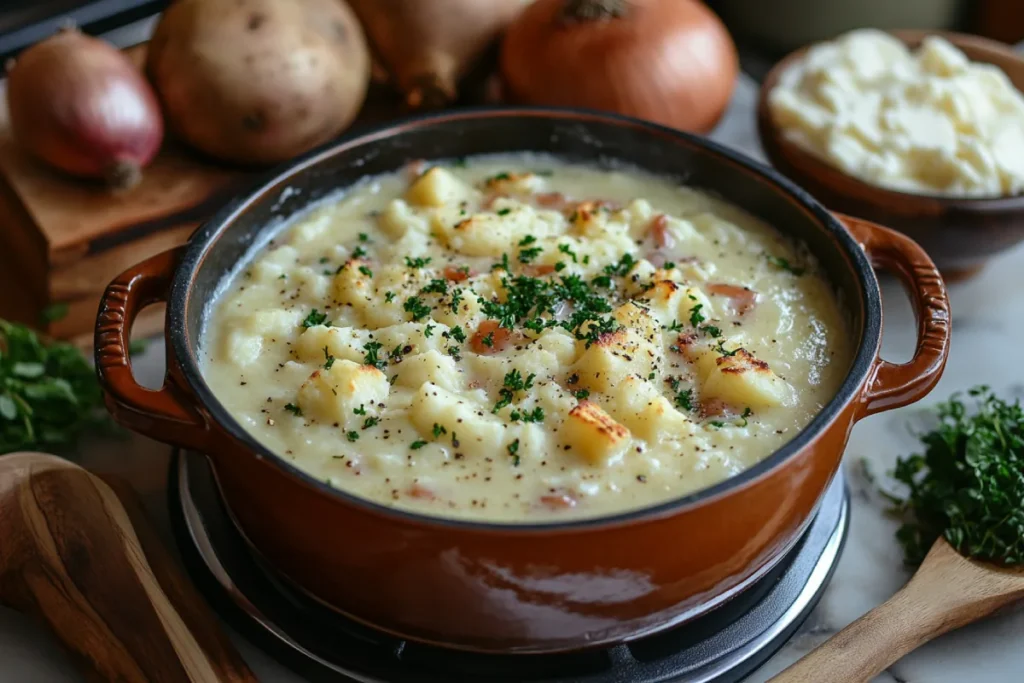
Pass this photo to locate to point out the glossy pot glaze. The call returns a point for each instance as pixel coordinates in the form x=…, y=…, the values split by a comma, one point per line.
x=529, y=587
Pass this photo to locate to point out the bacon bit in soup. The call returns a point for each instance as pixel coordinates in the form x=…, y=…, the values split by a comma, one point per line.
x=559, y=499
x=414, y=169
x=490, y=338
x=457, y=274
x=741, y=299
x=420, y=492
x=551, y=200
x=659, y=231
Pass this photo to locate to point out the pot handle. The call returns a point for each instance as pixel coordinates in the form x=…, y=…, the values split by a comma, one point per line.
x=162, y=414
x=891, y=385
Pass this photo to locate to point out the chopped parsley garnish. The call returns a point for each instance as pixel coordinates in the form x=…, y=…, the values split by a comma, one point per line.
x=416, y=445
x=314, y=318
x=428, y=331
x=352, y=435
x=722, y=350
x=282, y=276
x=527, y=241
x=512, y=383
x=453, y=351
x=717, y=424
x=370, y=422
x=622, y=267
x=456, y=299
x=488, y=340
x=501, y=176
x=439, y=430
x=363, y=237
x=358, y=252
x=371, y=357
x=503, y=264
x=696, y=317
x=328, y=359
x=366, y=271
x=415, y=307
x=527, y=255
x=747, y=412
x=503, y=212
x=389, y=296
x=458, y=334
x=784, y=264
x=566, y=249
x=535, y=415
x=582, y=394
x=418, y=262
x=361, y=410
x=675, y=326
x=684, y=400
x=668, y=265
x=436, y=286
x=513, y=450
x=293, y=409
x=713, y=331
x=968, y=484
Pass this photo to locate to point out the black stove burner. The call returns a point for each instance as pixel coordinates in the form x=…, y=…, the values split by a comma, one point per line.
x=722, y=646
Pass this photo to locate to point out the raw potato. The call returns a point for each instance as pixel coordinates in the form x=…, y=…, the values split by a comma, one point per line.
x=258, y=81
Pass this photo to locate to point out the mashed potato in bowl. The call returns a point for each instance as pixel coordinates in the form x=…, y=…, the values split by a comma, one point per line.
x=518, y=339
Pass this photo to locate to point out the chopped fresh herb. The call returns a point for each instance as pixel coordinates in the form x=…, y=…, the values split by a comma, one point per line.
x=436, y=286
x=458, y=334
x=49, y=395
x=416, y=445
x=293, y=409
x=456, y=299
x=722, y=350
x=366, y=271
x=784, y=264
x=363, y=237
x=282, y=276
x=503, y=212
x=389, y=296
x=328, y=359
x=352, y=435
x=668, y=265
x=535, y=415
x=439, y=430
x=503, y=264
x=314, y=318
x=527, y=241
x=582, y=394
x=684, y=399
x=747, y=412
x=675, y=326
x=361, y=410
x=717, y=424
x=418, y=262
x=968, y=484
x=358, y=252
x=696, y=317
x=453, y=351
x=512, y=383
x=371, y=422
x=566, y=249
x=513, y=450
x=527, y=255
x=395, y=352
x=371, y=358
x=488, y=340
x=621, y=267
x=428, y=331
x=603, y=281
x=501, y=176
x=560, y=266
x=713, y=331
x=415, y=307
x=55, y=312
x=650, y=376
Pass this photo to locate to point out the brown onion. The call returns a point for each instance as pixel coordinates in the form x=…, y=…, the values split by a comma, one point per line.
x=667, y=61
x=428, y=45
x=78, y=104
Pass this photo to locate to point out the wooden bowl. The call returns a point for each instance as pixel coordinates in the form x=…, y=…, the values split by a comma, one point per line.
x=960, y=234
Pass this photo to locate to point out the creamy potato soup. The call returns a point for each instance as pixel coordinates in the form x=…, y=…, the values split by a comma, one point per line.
x=519, y=339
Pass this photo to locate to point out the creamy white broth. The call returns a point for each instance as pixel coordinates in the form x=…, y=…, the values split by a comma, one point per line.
x=678, y=340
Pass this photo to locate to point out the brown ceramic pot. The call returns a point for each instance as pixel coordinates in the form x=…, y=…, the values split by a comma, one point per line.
x=527, y=587
x=960, y=234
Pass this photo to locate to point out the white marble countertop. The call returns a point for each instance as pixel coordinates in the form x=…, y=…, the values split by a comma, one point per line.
x=988, y=319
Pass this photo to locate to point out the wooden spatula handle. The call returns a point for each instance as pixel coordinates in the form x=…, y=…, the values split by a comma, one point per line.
x=946, y=593
x=72, y=558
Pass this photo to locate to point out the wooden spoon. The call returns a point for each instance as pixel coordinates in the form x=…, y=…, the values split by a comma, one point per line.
x=947, y=592
x=70, y=556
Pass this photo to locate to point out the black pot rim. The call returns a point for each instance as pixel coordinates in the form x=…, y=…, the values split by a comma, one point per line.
x=850, y=390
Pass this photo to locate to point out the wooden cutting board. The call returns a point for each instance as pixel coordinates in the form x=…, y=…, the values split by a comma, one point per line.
x=62, y=239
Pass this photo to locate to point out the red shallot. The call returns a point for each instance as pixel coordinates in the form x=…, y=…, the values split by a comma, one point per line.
x=78, y=104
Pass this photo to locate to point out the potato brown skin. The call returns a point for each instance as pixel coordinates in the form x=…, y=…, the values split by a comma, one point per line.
x=258, y=81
